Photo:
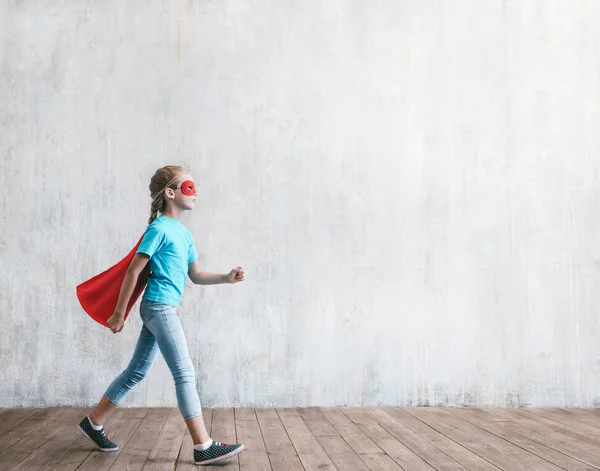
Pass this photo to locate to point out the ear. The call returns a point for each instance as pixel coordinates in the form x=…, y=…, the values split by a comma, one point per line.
x=169, y=193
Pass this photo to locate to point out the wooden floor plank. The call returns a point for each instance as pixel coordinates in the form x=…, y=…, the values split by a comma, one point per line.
x=371, y=454
x=59, y=439
x=21, y=428
x=281, y=451
x=523, y=456
x=133, y=456
x=396, y=449
x=18, y=426
x=586, y=416
x=473, y=443
x=254, y=456
x=317, y=422
x=43, y=431
x=562, y=437
x=572, y=426
x=344, y=438
x=16, y=416
x=185, y=460
x=549, y=436
x=223, y=430
x=164, y=453
x=341, y=455
x=309, y=450
x=368, y=419
x=549, y=454
x=244, y=413
x=456, y=451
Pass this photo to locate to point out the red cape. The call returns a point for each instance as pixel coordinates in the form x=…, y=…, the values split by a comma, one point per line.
x=98, y=296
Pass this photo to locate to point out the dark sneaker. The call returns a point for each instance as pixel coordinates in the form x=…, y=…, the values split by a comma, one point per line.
x=216, y=452
x=97, y=436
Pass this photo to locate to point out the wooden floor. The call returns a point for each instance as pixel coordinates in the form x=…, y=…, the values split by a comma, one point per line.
x=409, y=438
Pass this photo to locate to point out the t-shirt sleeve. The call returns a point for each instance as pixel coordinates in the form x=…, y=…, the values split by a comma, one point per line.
x=192, y=254
x=153, y=240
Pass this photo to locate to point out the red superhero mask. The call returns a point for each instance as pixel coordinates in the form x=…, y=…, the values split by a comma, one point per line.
x=188, y=188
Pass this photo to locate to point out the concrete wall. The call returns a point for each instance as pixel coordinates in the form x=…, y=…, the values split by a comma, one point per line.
x=411, y=186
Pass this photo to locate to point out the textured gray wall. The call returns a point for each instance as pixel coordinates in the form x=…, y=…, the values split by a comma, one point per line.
x=411, y=186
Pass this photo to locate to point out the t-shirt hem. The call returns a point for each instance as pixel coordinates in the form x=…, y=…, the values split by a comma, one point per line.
x=162, y=301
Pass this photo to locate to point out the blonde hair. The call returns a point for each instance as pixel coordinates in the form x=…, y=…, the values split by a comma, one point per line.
x=163, y=178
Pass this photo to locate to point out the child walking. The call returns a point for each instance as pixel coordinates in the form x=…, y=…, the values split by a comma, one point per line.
x=168, y=246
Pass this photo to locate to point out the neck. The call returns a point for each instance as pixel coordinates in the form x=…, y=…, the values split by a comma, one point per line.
x=173, y=213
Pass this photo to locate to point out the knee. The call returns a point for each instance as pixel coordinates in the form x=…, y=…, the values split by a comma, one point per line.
x=185, y=373
x=134, y=376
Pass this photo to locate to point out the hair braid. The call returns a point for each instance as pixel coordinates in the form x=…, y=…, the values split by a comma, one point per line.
x=163, y=178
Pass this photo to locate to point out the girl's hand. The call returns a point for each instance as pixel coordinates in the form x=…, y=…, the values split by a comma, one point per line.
x=236, y=275
x=116, y=322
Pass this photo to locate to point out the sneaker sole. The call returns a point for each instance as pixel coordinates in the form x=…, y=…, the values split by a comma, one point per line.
x=224, y=457
x=82, y=432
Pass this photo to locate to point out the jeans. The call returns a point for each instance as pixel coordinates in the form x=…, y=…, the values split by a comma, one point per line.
x=161, y=330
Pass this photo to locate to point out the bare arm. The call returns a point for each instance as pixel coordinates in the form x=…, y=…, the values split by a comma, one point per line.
x=204, y=278
x=136, y=266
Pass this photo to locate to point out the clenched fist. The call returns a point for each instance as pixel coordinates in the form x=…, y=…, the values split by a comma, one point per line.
x=236, y=275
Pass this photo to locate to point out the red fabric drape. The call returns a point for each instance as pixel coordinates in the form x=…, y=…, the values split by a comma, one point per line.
x=98, y=296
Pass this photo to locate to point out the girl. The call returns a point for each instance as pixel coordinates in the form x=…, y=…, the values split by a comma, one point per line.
x=169, y=248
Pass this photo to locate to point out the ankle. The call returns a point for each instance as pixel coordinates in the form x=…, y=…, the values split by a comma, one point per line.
x=95, y=421
x=203, y=446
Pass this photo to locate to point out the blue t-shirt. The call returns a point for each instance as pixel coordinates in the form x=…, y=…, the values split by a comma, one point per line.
x=170, y=246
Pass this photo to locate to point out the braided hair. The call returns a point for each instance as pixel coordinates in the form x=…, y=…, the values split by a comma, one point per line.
x=163, y=178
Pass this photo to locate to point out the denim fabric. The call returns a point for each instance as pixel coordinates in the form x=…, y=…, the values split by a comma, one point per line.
x=161, y=331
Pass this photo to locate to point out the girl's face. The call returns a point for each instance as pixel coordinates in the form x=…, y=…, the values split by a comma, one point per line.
x=184, y=195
